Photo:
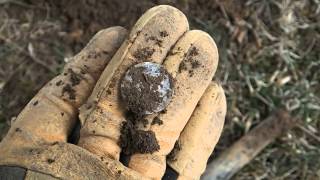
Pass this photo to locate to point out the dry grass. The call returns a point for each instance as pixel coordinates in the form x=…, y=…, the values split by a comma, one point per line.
x=269, y=58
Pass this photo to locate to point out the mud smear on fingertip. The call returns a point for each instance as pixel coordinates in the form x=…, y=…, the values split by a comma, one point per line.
x=190, y=62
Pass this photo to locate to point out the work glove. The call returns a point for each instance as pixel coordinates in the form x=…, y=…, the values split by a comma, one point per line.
x=172, y=116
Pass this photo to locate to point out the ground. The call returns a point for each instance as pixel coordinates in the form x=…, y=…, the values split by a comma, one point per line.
x=269, y=59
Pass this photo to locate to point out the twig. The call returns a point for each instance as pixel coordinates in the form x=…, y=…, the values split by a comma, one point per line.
x=245, y=149
x=308, y=132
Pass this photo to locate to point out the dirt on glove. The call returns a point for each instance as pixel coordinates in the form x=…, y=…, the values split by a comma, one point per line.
x=146, y=88
x=133, y=140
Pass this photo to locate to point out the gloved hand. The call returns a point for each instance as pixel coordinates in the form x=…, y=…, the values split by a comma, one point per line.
x=37, y=144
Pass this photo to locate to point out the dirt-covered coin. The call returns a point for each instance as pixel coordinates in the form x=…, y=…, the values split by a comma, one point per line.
x=146, y=88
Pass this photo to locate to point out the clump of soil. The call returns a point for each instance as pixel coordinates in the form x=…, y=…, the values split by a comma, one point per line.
x=146, y=88
x=133, y=140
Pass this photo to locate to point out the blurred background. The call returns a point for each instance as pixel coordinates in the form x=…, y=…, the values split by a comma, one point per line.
x=269, y=60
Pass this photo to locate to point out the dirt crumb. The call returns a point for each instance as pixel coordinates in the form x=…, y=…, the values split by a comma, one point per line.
x=59, y=83
x=157, y=120
x=134, y=141
x=71, y=92
x=93, y=54
x=82, y=71
x=75, y=78
x=112, y=84
x=191, y=73
x=144, y=54
x=164, y=33
x=50, y=161
x=182, y=67
x=35, y=103
x=163, y=111
x=195, y=64
x=190, y=63
x=55, y=143
x=194, y=51
x=172, y=155
x=157, y=41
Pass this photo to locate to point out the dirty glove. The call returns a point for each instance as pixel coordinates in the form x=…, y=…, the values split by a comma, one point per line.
x=179, y=127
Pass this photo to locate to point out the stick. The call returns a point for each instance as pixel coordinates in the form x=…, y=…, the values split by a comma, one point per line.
x=245, y=149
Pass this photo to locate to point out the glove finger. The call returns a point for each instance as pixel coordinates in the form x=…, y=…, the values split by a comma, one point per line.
x=150, y=40
x=51, y=114
x=62, y=161
x=192, y=63
x=199, y=137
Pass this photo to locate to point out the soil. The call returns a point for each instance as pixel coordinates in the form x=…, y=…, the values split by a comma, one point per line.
x=50, y=161
x=182, y=67
x=157, y=41
x=35, y=103
x=164, y=33
x=75, y=78
x=144, y=122
x=70, y=91
x=59, y=83
x=144, y=54
x=146, y=88
x=190, y=62
x=134, y=141
x=172, y=155
x=157, y=120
